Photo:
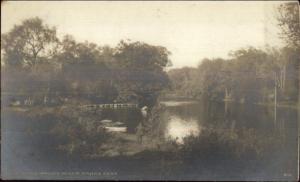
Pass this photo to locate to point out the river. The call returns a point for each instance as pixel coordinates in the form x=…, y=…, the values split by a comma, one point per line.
x=190, y=117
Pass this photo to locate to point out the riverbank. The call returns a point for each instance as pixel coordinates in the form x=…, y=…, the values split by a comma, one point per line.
x=245, y=143
x=280, y=104
x=79, y=132
x=214, y=154
x=290, y=105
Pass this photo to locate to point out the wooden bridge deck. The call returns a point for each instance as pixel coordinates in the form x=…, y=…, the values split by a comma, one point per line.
x=109, y=106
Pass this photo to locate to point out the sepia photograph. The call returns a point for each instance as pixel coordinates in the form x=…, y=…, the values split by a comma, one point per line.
x=150, y=90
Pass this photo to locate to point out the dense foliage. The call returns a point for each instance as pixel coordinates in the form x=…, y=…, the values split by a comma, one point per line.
x=250, y=74
x=40, y=67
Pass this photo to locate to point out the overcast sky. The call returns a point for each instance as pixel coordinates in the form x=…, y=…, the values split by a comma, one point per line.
x=190, y=30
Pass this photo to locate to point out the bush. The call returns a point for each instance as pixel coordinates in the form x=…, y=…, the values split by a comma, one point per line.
x=236, y=144
x=77, y=133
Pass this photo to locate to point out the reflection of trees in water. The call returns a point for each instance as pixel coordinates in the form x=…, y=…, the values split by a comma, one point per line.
x=235, y=115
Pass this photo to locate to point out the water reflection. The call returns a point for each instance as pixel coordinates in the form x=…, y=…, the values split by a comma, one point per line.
x=176, y=103
x=178, y=128
x=191, y=117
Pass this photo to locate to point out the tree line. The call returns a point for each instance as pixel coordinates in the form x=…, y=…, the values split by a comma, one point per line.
x=37, y=65
x=249, y=74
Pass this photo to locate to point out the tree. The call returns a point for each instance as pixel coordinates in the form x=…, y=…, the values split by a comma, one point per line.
x=182, y=81
x=141, y=71
x=247, y=73
x=289, y=23
x=73, y=52
x=29, y=43
x=210, y=77
x=142, y=56
x=86, y=70
x=247, y=76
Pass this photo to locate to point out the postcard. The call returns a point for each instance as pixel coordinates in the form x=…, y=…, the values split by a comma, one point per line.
x=150, y=90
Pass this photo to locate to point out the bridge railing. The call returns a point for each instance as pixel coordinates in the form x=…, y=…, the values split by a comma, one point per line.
x=110, y=106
